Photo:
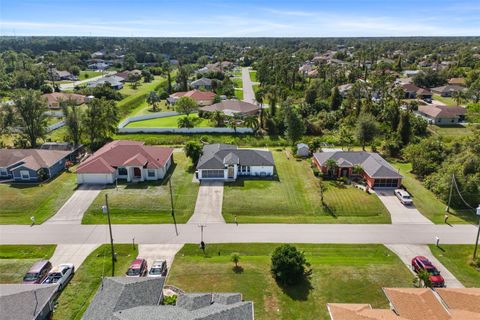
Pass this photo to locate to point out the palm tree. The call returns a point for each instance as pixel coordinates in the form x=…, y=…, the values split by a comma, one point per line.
x=331, y=166
x=251, y=122
x=422, y=280
x=259, y=97
x=235, y=258
x=232, y=123
x=218, y=118
x=152, y=99
x=458, y=96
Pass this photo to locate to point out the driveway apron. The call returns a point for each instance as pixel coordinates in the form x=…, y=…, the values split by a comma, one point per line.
x=400, y=213
x=208, y=208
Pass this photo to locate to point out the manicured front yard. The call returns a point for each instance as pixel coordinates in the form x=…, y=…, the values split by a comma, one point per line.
x=294, y=197
x=253, y=76
x=21, y=201
x=426, y=202
x=237, y=82
x=341, y=273
x=77, y=295
x=16, y=260
x=169, y=122
x=457, y=258
x=149, y=202
x=239, y=94
x=448, y=101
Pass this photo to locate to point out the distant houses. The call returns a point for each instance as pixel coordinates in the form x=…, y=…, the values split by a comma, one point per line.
x=448, y=90
x=55, y=99
x=203, y=98
x=58, y=75
x=442, y=115
x=115, y=82
x=202, y=83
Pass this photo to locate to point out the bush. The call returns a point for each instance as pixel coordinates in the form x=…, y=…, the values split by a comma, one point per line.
x=288, y=264
x=170, y=300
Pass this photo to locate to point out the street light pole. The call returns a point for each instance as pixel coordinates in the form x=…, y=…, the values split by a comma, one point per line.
x=106, y=209
x=478, y=234
x=171, y=204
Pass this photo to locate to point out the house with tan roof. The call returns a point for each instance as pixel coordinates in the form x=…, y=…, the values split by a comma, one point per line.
x=442, y=115
x=457, y=81
x=415, y=304
x=231, y=107
x=55, y=99
x=448, y=90
x=125, y=160
x=203, y=98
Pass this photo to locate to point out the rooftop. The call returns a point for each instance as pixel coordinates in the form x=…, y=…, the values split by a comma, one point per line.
x=215, y=156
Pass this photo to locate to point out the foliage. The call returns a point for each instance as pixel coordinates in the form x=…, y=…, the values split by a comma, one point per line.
x=170, y=300
x=429, y=79
x=153, y=99
x=288, y=264
x=99, y=121
x=366, y=130
x=235, y=257
x=422, y=279
x=186, y=105
x=295, y=128
x=73, y=116
x=425, y=156
x=405, y=127
x=193, y=150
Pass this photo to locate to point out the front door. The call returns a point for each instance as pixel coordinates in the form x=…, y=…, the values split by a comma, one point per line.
x=344, y=172
x=231, y=172
x=137, y=173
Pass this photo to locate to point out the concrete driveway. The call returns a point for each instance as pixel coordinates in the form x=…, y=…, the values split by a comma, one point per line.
x=400, y=213
x=72, y=253
x=248, y=94
x=406, y=252
x=152, y=252
x=208, y=208
x=72, y=211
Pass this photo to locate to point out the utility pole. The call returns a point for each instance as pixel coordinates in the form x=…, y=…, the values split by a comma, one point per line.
x=478, y=234
x=106, y=209
x=171, y=204
x=450, y=196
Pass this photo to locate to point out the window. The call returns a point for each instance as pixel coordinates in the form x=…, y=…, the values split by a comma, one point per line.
x=3, y=172
x=24, y=174
x=151, y=173
x=122, y=171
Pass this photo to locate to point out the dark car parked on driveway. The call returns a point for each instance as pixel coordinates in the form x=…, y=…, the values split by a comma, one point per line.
x=38, y=272
x=420, y=263
x=138, y=268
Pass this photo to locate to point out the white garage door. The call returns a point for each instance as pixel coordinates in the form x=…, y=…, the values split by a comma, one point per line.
x=95, y=178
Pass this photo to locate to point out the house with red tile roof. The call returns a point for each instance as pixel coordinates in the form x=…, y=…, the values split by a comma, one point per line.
x=203, y=98
x=125, y=160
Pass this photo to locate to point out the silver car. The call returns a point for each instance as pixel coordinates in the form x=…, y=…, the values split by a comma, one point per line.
x=60, y=275
x=158, y=269
x=404, y=197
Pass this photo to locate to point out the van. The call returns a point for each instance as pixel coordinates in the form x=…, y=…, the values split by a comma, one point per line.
x=38, y=272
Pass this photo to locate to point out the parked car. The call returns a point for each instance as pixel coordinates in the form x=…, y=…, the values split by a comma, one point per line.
x=61, y=275
x=420, y=263
x=158, y=269
x=404, y=197
x=138, y=268
x=38, y=272
x=427, y=100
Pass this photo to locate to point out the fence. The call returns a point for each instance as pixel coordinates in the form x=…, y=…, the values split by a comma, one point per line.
x=55, y=126
x=125, y=122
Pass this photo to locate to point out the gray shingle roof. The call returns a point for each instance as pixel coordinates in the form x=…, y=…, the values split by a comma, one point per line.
x=25, y=302
x=202, y=82
x=372, y=163
x=216, y=155
x=120, y=293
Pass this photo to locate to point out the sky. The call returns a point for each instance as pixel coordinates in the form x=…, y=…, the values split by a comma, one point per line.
x=240, y=18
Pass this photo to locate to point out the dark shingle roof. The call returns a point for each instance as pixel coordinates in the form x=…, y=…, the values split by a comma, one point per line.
x=216, y=155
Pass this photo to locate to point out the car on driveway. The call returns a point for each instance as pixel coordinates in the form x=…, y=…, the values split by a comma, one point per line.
x=138, y=268
x=404, y=197
x=38, y=272
x=158, y=269
x=420, y=263
x=60, y=275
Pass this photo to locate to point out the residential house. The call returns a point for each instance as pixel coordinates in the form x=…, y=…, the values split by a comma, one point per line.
x=447, y=90
x=227, y=162
x=370, y=166
x=442, y=115
x=344, y=89
x=424, y=94
x=97, y=54
x=411, y=73
x=98, y=66
x=410, y=90
x=114, y=81
x=415, y=304
x=232, y=107
x=457, y=82
x=203, y=98
x=55, y=99
x=32, y=165
x=123, y=298
x=303, y=150
x=125, y=160
x=202, y=83
x=57, y=75
x=27, y=302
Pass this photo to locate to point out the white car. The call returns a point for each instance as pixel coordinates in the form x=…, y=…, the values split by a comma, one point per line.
x=404, y=197
x=158, y=269
x=61, y=275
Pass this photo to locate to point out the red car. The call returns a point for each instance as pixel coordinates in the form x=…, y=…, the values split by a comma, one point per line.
x=420, y=263
x=138, y=268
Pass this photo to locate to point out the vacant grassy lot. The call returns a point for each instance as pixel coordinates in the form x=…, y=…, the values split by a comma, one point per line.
x=295, y=198
x=426, y=202
x=77, y=295
x=453, y=131
x=169, y=122
x=145, y=108
x=253, y=76
x=21, y=201
x=15, y=260
x=340, y=273
x=149, y=202
x=239, y=94
x=457, y=258
x=87, y=74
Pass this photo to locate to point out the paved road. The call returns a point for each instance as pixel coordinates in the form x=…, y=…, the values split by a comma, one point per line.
x=72, y=253
x=244, y=233
x=70, y=86
x=72, y=211
x=400, y=213
x=407, y=252
x=152, y=252
x=248, y=94
x=208, y=208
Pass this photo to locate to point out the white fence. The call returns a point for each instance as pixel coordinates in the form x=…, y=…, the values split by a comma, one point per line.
x=124, y=123
x=55, y=126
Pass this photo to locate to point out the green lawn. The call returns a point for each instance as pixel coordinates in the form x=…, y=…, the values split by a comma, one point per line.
x=341, y=273
x=76, y=297
x=453, y=131
x=87, y=74
x=456, y=259
x=237, y=82
x=21, y=201
x=253, y=76
x=256, y=87
x=169, y=122
x=16, y=260
x=135, y=98
x=426, y=202
x=239, y=94
x=145, y=108
x=295, y=198
x=149, y=202
x=448, y=101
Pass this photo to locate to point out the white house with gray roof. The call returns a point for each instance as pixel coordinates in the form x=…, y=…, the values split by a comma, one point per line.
x=227, y=162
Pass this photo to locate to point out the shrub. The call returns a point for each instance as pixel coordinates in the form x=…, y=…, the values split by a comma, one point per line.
x=288, y=264
x=170, y=300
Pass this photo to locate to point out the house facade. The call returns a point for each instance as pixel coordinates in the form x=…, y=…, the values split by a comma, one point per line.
x=131, y=161
x=442, y=115
x=227, y=162
x=370, y=166
x=233, y=107
x=31, y=165
x=203, y=98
